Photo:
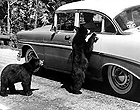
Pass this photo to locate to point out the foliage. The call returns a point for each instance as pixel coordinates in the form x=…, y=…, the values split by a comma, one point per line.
x=28, y=14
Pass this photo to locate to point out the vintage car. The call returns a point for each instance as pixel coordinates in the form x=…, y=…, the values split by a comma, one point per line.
x=116, y=55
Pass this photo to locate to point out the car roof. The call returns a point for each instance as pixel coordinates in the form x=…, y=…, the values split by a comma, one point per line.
x=108, y=7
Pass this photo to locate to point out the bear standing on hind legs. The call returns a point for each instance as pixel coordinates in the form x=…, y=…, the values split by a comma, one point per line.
x=80, y=64
x=81, y=54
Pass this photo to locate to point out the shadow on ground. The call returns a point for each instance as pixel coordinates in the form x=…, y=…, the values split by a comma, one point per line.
x=89, y=84
x=18, y=92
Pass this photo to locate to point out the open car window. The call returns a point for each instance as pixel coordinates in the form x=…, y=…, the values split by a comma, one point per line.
x=65, y=21
x=91, y=21
x=96, y=22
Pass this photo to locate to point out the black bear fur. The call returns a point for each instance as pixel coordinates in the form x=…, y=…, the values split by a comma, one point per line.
x=14, y=73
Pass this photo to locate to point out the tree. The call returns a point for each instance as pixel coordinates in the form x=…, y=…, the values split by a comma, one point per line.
x=5, y=6
x=19, y=15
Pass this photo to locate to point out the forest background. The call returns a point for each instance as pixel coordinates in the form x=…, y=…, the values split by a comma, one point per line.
x=17, y=15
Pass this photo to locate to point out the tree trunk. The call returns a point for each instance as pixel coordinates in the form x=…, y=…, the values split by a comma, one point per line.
x=35, y=25
x=8, y=18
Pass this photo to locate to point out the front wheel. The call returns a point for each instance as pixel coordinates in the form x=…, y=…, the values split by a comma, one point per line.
x=29, y=54
x=122, y=82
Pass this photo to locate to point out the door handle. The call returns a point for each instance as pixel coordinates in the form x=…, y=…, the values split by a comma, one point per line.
x=67, y=37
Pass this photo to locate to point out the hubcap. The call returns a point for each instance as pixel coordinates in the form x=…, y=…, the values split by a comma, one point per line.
x=30, y=54
x=121, y=78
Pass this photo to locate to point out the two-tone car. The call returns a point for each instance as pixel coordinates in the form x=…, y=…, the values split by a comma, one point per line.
x=115, y=57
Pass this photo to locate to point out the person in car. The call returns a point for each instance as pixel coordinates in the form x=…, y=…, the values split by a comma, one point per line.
x=92, y=22
x=89, y=23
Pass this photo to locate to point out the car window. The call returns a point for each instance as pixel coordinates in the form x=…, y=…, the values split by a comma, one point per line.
x=96, y=22
x=65, y=21
x=130, y=18
x=109, y=27
x=91, y=21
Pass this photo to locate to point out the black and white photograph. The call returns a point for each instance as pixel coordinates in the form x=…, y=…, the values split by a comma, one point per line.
x=69, y=55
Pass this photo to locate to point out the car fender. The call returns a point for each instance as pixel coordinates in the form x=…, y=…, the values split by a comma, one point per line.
x=24, y=49
x=126, y=64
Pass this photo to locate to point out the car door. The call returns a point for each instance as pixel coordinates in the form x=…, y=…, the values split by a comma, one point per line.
x=58, y=53
x=106, y=38
x=103, y=29
x=93, y=22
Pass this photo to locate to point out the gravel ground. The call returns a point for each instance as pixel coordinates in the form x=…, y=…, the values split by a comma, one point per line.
x=48, y=95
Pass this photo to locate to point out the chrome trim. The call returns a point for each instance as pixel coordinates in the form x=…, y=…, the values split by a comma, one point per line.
x=31, y=48
x=25, y=42
x=120, y=58
x=118, y=27
x=48, y=44
x=59, y=45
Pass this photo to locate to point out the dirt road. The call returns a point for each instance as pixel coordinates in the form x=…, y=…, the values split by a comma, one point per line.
x=48, y=95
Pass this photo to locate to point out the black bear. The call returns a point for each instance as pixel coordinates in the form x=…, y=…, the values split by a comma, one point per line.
x=88, y=46
x=80, y=57
x=14, y=73
x=81, y=54
x=79, y=61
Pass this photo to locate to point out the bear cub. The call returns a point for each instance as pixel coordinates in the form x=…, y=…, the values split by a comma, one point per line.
x=14, y=73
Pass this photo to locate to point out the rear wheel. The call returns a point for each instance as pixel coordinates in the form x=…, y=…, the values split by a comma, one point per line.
x=122, y=82
x=29, y=54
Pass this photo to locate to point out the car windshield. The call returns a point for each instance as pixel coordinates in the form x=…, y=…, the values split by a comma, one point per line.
x=129, y=19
